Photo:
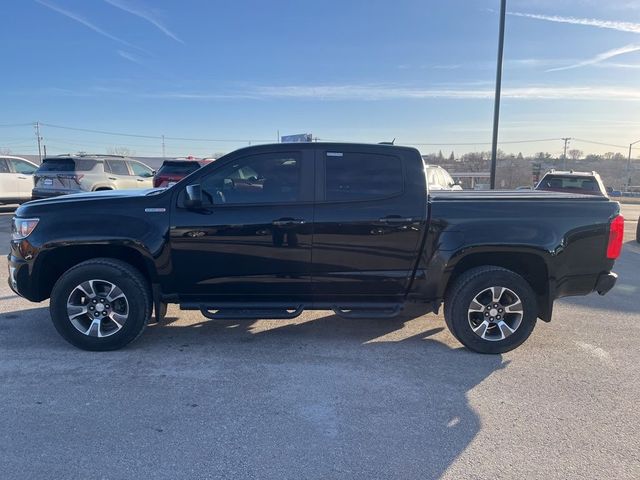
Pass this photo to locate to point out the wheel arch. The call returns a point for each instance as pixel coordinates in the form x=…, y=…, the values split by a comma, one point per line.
x=53, y=263
x=530, y=265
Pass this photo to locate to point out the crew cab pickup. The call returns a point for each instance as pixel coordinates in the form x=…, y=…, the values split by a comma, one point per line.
x=269, y=231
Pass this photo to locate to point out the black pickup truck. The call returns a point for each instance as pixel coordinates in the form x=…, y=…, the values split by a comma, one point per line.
x=268, y=231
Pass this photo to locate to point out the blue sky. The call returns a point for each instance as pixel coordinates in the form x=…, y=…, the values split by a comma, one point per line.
x=421, y=71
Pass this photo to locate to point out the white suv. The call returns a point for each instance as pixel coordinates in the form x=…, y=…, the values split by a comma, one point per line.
x=16, y=179
x=439, y=179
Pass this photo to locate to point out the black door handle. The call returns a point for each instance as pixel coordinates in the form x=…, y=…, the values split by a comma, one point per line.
x=112, y=178
x=287, y=222
x=395, y=219
x=139, y=179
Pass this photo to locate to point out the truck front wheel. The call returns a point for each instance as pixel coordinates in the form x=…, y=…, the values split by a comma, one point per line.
x=100, y=304
x=490, y=309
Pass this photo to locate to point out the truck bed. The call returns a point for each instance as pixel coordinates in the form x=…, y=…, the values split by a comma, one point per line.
x=511, y=195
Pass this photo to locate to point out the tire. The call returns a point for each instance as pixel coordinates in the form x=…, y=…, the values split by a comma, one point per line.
x=471, y=317
x=111, y=290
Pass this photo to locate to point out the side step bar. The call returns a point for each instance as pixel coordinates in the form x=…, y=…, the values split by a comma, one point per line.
x=239, y=311
x=275, y=310
x=390, y=310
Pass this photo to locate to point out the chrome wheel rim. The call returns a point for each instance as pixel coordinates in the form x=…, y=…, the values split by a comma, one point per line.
x=97, y=308
x=495, y=313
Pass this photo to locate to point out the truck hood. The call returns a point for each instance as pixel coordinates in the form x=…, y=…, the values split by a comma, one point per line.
x=88, y=200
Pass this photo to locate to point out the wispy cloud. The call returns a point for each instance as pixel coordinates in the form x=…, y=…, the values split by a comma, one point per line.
x=591, y=22
x=147, y=15
x=370, y=93
x=383, y=92
x=601, y=57
x=199, y=96
x=85, y=22
x=129, y=56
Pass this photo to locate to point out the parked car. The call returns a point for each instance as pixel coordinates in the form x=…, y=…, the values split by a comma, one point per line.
x=587, y=183
x=172, y=171
x=16, y=179
x=439, y=179
x=345, y=227
x=612, y=192
x=67, y=174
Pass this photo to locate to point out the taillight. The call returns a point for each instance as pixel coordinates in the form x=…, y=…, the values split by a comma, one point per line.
x=616, y=235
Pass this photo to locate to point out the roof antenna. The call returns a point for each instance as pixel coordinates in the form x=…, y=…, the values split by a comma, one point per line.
x=388, y=143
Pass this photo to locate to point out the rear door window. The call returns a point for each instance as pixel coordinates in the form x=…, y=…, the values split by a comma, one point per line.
x=352, y=176
x=118, y=167
x=4, y=168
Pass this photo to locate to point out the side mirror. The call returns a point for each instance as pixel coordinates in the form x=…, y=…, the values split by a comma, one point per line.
x=193, y=198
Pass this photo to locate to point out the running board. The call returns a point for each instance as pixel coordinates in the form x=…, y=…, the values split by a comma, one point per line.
x=246, y=311
x=390, y=310
x=276, y=310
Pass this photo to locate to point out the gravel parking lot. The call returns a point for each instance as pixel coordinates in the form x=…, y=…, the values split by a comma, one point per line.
x=323, y=397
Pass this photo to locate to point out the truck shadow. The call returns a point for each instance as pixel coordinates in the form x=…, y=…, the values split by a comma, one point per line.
x=401, y=393
x=376, y=397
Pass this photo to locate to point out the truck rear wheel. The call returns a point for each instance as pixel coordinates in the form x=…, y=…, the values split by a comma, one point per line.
x=490, y=309
x=100, y=304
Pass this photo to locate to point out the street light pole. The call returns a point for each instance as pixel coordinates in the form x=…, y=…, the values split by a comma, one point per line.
x=496, y=105
x=629, y=163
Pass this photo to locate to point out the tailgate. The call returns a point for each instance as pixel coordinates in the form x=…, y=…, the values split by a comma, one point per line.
x=56, y=181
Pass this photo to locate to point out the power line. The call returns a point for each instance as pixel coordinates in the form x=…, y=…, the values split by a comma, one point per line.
x=9, y=125
x=102, y=132
x=600, y=143
x=157, y=137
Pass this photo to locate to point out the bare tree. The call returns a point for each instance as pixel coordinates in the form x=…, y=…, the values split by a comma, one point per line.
x=124, y=151
x=575, y=154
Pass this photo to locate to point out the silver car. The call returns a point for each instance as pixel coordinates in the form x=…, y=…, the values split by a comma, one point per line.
x=67, y=174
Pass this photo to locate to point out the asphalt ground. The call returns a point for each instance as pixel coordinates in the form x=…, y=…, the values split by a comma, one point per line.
x=320, y=397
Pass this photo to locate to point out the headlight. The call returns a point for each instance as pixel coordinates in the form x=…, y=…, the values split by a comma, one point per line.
x=22, y=227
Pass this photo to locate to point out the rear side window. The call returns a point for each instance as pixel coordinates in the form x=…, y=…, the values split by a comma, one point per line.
x=4, y=168
x=67, y=165
x=552, y=182
x=362, y=176
x=118, y=167
x=178, y=168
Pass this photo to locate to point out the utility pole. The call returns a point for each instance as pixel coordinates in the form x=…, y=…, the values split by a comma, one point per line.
x=39, y=138
x=564, y=155
x=163, y=152
x=629, y=164
x=44, y=147
x=496, y=106
x=278, y=138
